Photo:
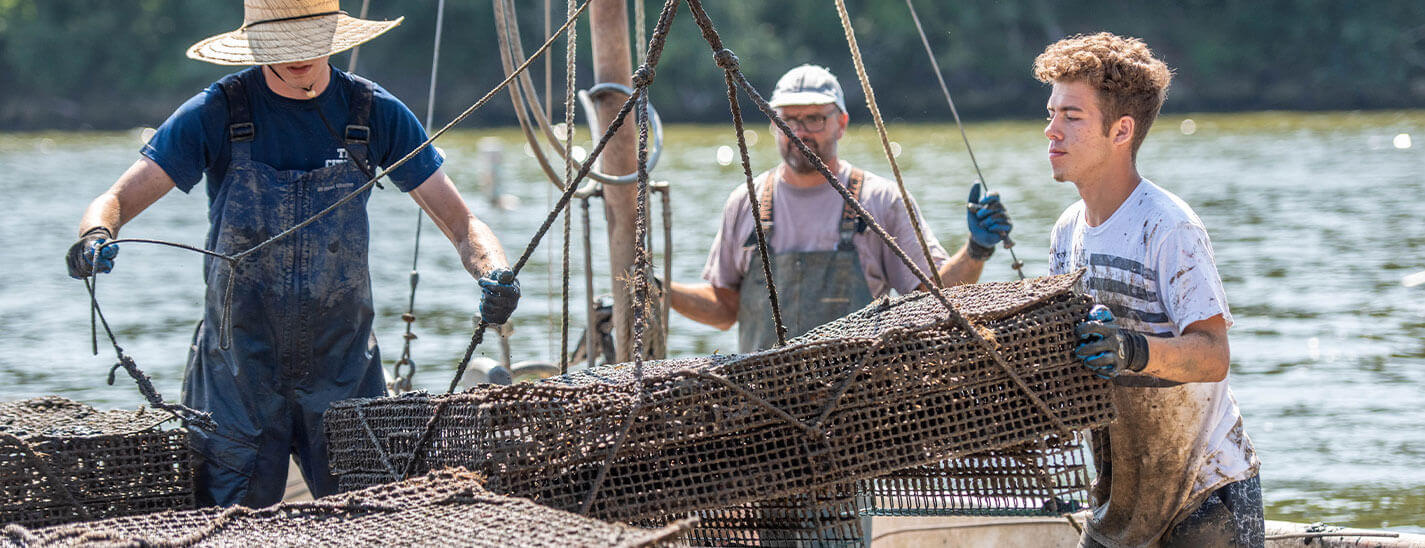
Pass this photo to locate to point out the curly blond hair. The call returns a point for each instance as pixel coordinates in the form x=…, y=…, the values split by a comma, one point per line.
x=1130, y=80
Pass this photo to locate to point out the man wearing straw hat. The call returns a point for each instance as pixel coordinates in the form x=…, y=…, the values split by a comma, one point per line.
x=279, y=143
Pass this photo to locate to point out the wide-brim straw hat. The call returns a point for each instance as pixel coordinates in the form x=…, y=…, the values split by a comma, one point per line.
x=287, y=31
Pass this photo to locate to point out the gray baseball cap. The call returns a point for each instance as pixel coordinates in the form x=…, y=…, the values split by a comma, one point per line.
x=808, y=85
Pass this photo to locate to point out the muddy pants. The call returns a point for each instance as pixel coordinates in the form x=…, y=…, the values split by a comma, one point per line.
x=1231, y=516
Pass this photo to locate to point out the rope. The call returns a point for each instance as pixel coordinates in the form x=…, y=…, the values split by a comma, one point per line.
x=403, y=381
x=710, y=34
x=507, y=31
x=639, y=21
x=667, y=260
x=642, y=78
x=564, y=198
x=592, y=337
x=1015, y=263
x=380, y=450
x=569, y=56
x=187, y=415
x=351, y=63
x=729, y=63
x=885, y=140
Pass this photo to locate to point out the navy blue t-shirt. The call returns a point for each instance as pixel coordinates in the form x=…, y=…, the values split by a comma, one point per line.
x=290, y=134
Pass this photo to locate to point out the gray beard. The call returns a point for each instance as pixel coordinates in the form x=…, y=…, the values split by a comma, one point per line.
x=797, y=161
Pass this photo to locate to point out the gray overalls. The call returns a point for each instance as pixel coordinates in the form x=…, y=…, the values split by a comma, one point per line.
x=300, y=315
x=813, y=287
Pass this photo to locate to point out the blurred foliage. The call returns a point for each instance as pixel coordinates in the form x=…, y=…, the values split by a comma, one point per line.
x=121, y=63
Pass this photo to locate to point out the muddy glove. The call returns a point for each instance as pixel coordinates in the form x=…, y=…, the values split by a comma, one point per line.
x=500, y=293
x=1108, y=349
x=989, y=223
x=80, y=259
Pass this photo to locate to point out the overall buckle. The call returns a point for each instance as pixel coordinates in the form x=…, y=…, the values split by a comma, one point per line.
x=243, y=131
x=358, y=134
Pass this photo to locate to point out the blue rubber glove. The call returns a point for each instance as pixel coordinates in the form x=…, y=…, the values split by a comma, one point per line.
x=80, y=259
x=500, y=294
x=989, y=223
x=1107, y=349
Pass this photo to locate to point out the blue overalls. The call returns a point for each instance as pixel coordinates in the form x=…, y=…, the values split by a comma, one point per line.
x=300, y=316
x=813, y=287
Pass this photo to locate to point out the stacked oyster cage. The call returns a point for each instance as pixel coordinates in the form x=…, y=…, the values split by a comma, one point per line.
x=799, y=438
x=447, y=508
x=63, y=461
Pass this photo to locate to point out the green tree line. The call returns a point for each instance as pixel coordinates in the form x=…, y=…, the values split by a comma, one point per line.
x=108, y=64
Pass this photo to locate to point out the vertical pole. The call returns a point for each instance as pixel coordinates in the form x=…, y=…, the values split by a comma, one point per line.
x=608, y=22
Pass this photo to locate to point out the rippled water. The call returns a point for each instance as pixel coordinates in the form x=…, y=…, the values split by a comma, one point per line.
x=1315, y=218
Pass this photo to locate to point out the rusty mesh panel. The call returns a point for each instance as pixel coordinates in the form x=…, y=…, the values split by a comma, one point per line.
x=824, y=517
x=1048, y=479
x=63, y=461
x=719, y=431
x=445, y=508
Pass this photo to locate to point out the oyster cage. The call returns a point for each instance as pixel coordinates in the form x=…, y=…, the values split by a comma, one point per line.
x=63, y=461
x=445, y=508
x=1045, y=480
x=893, y=386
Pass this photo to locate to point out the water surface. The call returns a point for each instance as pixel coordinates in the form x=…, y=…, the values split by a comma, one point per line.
x=1315, y=218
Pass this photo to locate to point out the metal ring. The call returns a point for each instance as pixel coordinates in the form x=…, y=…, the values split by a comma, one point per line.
x=586, y=98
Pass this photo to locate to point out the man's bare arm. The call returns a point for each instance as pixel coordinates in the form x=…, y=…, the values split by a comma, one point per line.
x=139, y=187
x=479, y=249
x=704, y=303
x=961, y=268
x=1200, y=354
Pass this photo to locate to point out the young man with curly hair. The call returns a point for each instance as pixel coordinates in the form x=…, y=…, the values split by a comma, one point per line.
x=1176, y=468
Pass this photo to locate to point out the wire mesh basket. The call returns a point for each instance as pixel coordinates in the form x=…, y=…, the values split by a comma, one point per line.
x=63, y=461
x=445, y=508
x=893, y=386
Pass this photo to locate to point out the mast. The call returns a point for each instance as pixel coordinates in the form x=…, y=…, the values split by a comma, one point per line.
x=608, y=24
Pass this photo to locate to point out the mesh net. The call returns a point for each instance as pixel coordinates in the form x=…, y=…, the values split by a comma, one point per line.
x=824, y=517
x=890, y=387
x=445, y=508
x=63, y=461
x=1050, y=479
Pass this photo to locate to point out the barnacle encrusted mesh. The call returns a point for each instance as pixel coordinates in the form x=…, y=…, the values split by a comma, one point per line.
x=1048, y=479
x=63, y=461
x=1045, y=479
x=892, y=386
x=445, y=508
x=823, y=517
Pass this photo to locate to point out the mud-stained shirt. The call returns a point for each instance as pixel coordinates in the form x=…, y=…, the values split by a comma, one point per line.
x=809, y=219
x=1152, y=264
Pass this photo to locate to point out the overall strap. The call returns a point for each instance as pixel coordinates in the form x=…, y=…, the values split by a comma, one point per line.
x=241, y=132
x=357, y=137
x=851, y=223
x=764, y=201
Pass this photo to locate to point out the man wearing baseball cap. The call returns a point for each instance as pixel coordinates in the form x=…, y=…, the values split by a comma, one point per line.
x=280, y=142
x=825, y=261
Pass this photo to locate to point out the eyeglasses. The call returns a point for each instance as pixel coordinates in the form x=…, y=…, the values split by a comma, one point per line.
x=813, y=123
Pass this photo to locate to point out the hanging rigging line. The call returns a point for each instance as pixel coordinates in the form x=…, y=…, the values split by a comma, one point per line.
x=1017, y=264
x=403, y=380
x=885, y=141
x=642, y=79
x=351, y=63
x=569, y=56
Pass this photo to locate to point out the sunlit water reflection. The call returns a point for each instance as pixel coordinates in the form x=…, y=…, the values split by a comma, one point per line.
x=1315, y=219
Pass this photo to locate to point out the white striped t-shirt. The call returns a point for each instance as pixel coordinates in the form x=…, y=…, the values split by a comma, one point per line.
x=1151, y=263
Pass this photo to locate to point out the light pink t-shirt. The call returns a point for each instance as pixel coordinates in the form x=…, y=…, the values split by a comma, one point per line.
x=808, y=219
